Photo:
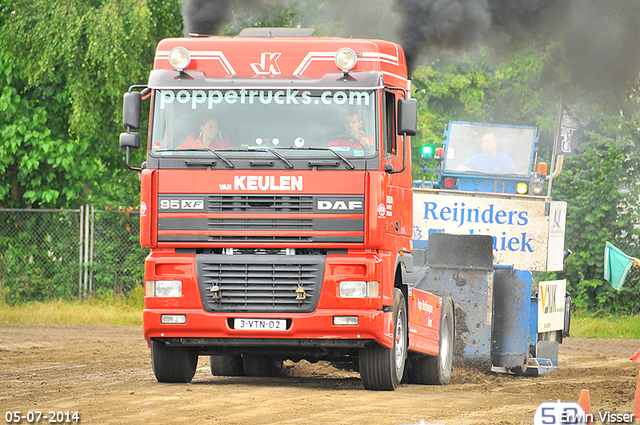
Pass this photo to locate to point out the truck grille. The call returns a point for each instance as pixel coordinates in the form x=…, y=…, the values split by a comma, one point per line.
x=260, y=203
x=260, y=283
x=261, y=219
x=259, y=224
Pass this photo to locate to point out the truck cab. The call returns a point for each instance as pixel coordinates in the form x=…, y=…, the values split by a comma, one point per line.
x=490, y=158
x=276, y=204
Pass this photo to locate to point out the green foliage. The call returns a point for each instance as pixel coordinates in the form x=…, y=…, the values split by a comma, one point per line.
x=40, y=254
x=36, y=251
x=598, y=296
x=61, y=95
x=585, y=325
x=64, y=65
x=600, y=185
x=519, y=87
x=299, y=14
x=451, y=89
x=35, y=166
x=118, y=263
x=602, y=191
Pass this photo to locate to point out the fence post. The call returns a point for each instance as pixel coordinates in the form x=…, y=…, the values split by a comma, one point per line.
x=86, y=249
x=93, y=233
x=80, y=255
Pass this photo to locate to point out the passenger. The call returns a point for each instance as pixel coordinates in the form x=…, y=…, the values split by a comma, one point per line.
x=210, y=137
x=490, y=161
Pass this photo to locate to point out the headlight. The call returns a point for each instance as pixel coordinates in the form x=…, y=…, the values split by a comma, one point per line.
x=179, y=58
x=163, y=288
x=346, y=59
x=522, y=188
x=358, y=289
x=537, y=186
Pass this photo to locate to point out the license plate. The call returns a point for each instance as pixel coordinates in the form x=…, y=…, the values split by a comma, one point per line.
x=260, y=324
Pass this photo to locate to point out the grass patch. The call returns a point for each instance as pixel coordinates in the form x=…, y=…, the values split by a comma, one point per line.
x=127, y=311
x=123, y=311
x=585, y=325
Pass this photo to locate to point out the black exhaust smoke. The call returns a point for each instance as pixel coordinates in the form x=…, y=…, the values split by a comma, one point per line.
x=205, y=17
x=461, y=24
x=602, y=38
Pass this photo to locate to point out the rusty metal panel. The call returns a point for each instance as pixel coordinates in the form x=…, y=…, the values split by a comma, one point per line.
x=510, y=347
x=472, y=295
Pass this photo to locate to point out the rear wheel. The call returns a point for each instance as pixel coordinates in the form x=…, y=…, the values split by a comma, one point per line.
x=261, y=365
x=173, y=364
x=226, y=365
x=436, y=370
x=382, y=368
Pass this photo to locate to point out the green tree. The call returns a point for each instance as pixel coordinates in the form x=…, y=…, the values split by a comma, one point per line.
x=602, y=191
x=600, y=185
x=62, y=94
x=452, y=88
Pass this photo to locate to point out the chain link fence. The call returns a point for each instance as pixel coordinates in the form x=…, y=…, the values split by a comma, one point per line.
x=50, y=254
x=47, y=254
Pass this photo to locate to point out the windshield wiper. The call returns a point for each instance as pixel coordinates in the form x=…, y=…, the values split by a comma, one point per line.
x=343, y=158
x=258, y=148
x=213, y=151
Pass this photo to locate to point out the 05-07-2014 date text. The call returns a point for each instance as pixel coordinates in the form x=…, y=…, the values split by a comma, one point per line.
x=34, y=416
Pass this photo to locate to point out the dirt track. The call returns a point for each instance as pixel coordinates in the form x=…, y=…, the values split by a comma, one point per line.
x=104, y=373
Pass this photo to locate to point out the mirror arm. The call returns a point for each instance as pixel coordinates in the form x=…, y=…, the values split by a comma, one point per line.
x=404, y=156
x=404, y=139
x=127, y=154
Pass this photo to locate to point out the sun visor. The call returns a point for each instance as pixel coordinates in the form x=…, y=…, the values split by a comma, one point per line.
x=171, y=79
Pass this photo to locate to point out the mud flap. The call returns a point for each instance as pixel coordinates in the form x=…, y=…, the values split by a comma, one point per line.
x=461, y=266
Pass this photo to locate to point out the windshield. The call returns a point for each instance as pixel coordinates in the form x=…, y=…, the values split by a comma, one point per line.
x=490, y=149
x=309, y=121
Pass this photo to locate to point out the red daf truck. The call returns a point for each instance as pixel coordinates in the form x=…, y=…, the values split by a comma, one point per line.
x=277, y=204
x=289, y=238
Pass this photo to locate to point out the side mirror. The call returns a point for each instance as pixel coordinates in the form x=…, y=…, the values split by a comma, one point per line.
x=131, y=110
x=129, y=140
x=408, y=117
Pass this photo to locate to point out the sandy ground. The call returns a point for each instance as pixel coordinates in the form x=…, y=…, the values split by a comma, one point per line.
x=104, y=373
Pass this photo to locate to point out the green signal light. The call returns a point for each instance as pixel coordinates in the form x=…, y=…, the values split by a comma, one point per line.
x=428, y=151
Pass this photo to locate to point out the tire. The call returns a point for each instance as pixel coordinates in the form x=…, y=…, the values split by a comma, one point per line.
x=173, y=364
x=436, y=370
x=382, y=368
x=261, y=365
x=226, y=365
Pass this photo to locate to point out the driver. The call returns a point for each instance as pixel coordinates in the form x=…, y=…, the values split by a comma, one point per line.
x=210, y=137
x=353, y=137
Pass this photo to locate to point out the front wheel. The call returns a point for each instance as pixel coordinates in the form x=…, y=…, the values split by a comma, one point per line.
x=382, y=368
x=436, y=370
x=173, y=364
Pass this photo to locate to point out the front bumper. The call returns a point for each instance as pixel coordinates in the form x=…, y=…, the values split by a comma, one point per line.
x=210, y=329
